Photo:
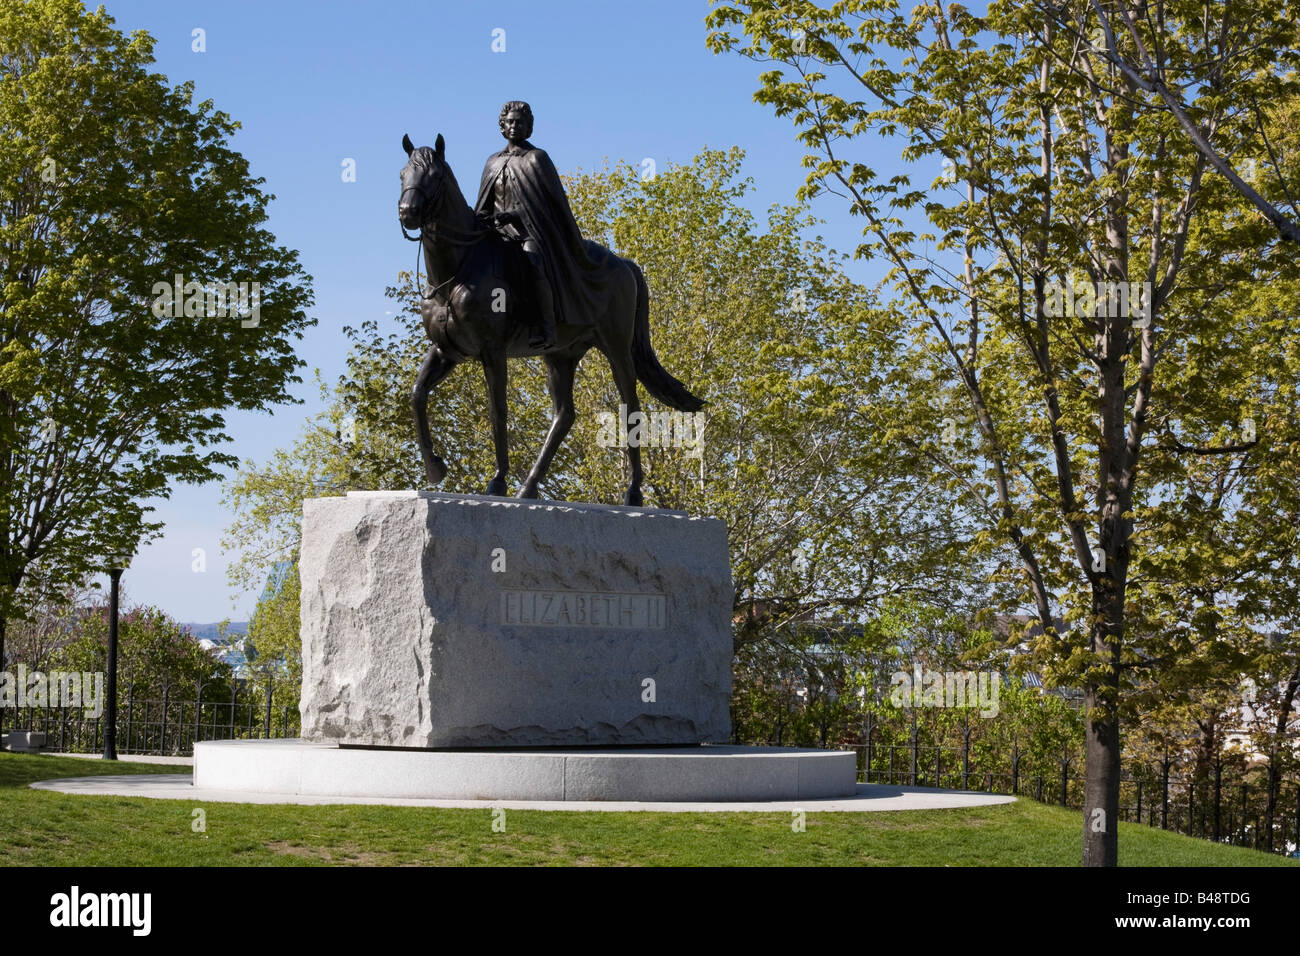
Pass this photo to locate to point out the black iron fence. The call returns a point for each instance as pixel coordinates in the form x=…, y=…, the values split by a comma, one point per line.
x=169, y=726
x=1229, y=804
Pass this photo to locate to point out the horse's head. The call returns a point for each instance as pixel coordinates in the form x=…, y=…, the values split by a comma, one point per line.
x=424, y=180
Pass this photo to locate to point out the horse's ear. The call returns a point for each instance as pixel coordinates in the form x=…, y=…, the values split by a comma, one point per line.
x=439, y=146
x=406, y=144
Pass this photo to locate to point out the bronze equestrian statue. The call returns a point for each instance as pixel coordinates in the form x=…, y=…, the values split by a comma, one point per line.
x=515, y=279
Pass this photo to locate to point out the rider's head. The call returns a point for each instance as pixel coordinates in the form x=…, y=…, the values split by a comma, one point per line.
x=516, y=121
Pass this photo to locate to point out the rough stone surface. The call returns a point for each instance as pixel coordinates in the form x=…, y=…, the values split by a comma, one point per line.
x=433, y=620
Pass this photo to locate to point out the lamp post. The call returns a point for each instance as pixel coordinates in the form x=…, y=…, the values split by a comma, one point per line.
x=117, y=564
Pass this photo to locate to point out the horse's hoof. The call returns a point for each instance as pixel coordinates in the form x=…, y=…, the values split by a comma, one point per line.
x=437, y=470
x=496, y=488
x=527, y=493
x=633, y=498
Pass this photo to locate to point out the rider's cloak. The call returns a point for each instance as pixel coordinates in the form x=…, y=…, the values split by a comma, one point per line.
x=583, y=275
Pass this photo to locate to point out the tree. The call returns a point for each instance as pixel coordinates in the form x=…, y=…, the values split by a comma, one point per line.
x=1170, y=51
x=272, y=648
x=116, y=188
x=156, y=655
x=49, y=621
x=1055, y=179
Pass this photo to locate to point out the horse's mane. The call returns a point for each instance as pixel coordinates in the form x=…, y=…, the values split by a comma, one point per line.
x=426, y=156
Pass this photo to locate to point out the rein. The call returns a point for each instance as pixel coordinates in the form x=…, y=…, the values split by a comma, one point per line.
x=428, y=223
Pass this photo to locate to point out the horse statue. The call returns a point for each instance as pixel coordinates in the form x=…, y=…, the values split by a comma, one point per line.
x=470, y=311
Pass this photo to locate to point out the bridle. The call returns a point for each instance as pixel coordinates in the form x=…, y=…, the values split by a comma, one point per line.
x=428, y=223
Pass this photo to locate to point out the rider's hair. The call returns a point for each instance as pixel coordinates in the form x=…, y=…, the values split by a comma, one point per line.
x=521, y=107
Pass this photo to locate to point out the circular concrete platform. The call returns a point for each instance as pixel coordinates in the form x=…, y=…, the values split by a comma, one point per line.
x=646, y=774
x=867, y=797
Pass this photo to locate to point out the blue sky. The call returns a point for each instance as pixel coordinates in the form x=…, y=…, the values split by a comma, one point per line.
x=315, y=83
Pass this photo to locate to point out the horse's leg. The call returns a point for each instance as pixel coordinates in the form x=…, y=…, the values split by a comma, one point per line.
x=625, y=380
x=559, y=376
x=494, y=370
x=435, y=368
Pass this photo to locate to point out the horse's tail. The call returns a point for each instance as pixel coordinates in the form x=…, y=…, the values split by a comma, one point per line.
x=654, y=376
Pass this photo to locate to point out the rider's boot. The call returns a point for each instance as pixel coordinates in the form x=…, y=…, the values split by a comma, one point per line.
x=543, y=336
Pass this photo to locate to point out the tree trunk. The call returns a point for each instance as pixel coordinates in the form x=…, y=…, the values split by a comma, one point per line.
x=1271, y=807
x=1274, y=777
x=1101, y=742
x=2, y=666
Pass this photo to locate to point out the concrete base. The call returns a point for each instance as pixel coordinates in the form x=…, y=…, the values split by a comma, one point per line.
x=708, y=773
x=868, y=798
x=23, y=741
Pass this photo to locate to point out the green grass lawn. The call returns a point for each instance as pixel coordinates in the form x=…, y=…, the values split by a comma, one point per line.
x=42, y=828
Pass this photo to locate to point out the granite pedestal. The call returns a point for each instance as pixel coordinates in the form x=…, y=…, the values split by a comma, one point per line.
x=462, y=621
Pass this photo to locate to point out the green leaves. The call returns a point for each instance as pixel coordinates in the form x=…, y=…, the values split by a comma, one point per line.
x=112, y=182
x=155, y=653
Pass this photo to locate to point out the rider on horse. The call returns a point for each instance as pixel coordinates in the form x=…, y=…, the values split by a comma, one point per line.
x=522, y=197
